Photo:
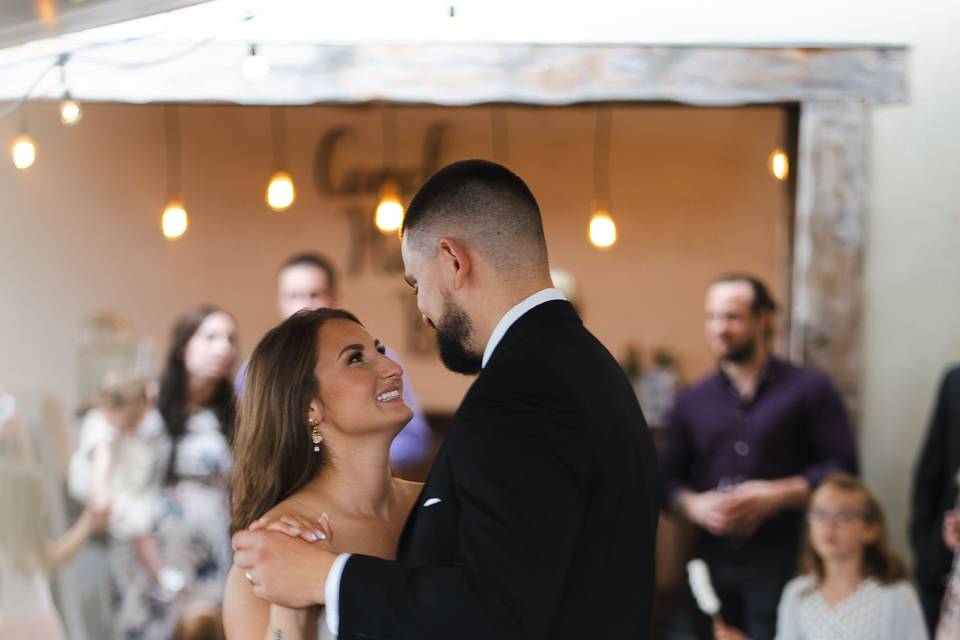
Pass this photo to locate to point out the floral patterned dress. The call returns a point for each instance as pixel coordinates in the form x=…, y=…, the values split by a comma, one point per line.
x=191, y=528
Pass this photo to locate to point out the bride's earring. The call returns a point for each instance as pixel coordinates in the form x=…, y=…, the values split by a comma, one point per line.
x=315, y=435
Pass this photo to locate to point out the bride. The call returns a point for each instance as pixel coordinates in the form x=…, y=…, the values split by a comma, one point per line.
x=321, y=406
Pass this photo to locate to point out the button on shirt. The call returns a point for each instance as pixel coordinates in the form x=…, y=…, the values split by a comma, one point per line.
x=795, y=425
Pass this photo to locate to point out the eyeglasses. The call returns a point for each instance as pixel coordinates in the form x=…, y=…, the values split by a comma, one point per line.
x=822, y=516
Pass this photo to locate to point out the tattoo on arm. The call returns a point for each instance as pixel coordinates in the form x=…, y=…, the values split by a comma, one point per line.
x=277, y=633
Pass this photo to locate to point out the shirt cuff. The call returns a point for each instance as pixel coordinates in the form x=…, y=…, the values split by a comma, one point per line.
x=331, y=593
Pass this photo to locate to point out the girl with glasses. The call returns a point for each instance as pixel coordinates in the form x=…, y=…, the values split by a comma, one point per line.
x=853, y=585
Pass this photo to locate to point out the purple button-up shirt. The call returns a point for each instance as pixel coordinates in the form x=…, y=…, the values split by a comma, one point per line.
x=796, y=425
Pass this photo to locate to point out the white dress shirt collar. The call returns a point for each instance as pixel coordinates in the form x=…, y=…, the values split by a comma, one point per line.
x=514, y=314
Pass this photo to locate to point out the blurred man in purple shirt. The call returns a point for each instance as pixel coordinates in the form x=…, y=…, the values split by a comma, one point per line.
x=744, y=448
x=308, y=281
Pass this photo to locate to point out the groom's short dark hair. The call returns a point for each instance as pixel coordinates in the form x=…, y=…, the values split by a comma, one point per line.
x=483, y=204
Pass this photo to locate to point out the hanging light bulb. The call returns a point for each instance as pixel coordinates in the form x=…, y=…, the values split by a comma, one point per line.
x=779, y=164
x=23, y=151
x=603, y=230
x=280, y=191
x=70, y=112
x=174, y=221
x=389, y=216
x=255, y=65
x=47, y=12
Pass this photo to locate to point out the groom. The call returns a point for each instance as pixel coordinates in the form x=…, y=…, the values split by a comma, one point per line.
x=539, y=516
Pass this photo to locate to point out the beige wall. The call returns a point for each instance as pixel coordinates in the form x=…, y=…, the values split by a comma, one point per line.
x=690, y=191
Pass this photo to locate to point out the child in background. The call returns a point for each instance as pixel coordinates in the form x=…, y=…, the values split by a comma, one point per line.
x=28, y=555
x=854, y=586
x=115, y=470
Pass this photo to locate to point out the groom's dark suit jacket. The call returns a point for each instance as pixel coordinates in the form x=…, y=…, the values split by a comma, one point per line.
x=539, y=516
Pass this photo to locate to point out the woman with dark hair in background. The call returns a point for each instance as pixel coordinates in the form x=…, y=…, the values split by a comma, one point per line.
x=322, y=404
x=191, y=430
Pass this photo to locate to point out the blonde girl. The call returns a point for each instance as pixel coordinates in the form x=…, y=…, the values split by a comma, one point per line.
x=853, y=585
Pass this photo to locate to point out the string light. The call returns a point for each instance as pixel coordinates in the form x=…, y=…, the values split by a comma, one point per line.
x=70, y=112
x=255, y=66
x=174, y=221
x=389, y=216
x=602, y=230
x=47, y=12
x=280, y=190
x=23, y=152
x=779, y=164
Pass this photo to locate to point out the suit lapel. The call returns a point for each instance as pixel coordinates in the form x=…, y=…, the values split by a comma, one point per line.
x=515, y=335
x=404, y=542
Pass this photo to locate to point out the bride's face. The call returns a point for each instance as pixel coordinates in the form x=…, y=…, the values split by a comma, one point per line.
x=361, y=389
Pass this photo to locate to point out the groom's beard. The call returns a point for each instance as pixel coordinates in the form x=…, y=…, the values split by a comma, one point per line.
x=453, y=338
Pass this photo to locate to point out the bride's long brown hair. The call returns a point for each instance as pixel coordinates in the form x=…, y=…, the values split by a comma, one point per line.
x=273, y=450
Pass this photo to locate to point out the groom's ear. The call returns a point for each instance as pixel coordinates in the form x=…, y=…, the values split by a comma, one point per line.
x=456, y=259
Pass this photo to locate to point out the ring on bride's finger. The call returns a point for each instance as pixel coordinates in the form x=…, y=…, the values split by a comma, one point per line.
x=249, y=577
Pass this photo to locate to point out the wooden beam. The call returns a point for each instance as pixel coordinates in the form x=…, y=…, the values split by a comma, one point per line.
x=559, y=75
x=830, y=234
x=461, y=75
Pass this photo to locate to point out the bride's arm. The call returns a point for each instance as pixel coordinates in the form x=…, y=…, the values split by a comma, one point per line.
x=291, y=624
x=247, y=617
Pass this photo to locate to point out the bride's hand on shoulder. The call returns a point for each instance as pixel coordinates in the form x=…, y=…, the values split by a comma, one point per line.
x=271, y=556
x=298, y=526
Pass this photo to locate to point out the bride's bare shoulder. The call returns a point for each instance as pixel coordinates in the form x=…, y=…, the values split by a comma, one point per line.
x=301, y=505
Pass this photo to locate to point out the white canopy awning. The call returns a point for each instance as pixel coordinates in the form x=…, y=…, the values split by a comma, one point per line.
x=362, y=50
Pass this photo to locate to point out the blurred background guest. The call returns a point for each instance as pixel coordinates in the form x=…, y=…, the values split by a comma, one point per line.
x=192, y=424
x=934, y=495
x=28, y=555
x=114, y=468
x=853, y=585
x=745, y=446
